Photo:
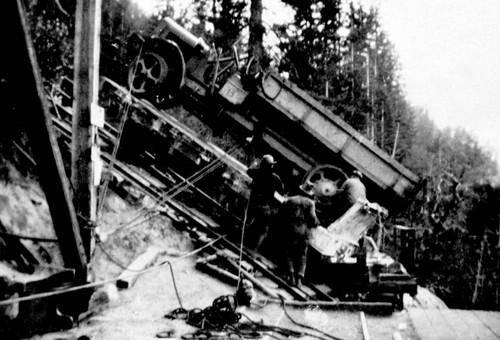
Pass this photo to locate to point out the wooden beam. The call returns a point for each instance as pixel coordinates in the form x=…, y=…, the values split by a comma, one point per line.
x=374, y=308
x=23, y=75
x=128, y=277
x=364, y=326
x=84, y=150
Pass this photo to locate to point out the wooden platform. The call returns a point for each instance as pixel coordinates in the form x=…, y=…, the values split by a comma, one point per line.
x=455, y=324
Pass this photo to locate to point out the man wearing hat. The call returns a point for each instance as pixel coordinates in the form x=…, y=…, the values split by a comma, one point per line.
x=263, y=206
x=352, y=190
x=297, y=218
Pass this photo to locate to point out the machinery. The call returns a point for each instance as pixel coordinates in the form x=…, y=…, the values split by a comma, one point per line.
x=314, y=147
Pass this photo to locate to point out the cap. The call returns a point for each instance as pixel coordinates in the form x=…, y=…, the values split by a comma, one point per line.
x=357, y=173
x=268, y=159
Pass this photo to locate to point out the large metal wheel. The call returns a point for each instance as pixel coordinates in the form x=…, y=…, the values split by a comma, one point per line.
x=147, y=73
x=158, y=72
x=323, y=181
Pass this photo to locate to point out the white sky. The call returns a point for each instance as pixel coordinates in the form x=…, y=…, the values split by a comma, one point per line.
x=450, y=56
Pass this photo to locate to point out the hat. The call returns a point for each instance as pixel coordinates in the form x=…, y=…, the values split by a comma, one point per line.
x=357, y=173
x=268, y=159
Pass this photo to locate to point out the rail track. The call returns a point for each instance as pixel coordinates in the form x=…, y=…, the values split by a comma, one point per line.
x=181, y=193
x=162, y=187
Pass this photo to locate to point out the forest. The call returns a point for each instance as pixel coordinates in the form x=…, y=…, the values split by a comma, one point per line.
x=338, y=52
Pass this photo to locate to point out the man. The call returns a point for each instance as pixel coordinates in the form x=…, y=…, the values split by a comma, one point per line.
x=298, y=218
x=352, y=190
x=263, y=206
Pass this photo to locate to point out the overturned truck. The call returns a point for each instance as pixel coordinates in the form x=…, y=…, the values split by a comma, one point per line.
x=313, y=147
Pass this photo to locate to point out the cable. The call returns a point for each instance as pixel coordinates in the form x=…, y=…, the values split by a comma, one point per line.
x=245, y=215
x=175, y=285
x=103, y=282
x=117, y=141
x=305, y=326
x=288, y=332
x=172, y=192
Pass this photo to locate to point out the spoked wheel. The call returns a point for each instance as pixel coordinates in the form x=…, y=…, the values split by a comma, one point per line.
x=158, y=72
x=147, y=73
x=323, y=181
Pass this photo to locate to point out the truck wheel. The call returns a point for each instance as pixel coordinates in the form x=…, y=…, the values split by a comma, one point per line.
x=158, y=72
x=147, y=73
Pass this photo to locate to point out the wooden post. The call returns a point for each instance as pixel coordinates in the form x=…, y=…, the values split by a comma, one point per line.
x=84, y=151
x=23, y=75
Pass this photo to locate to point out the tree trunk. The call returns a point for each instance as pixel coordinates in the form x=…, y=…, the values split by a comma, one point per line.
x=256, y=37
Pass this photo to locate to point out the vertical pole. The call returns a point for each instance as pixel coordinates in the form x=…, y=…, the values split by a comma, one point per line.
x=395, y=146
x=85, y=93
x=23, y=75
x=382, y=128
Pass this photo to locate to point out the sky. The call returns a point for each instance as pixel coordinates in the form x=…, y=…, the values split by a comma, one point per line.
x=449, y=52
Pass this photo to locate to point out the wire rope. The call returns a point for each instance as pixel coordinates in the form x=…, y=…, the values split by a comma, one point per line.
x=178, y=188
x=116, y=146
x=103, y=282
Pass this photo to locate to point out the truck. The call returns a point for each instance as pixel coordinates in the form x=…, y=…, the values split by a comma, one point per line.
x=314, y=147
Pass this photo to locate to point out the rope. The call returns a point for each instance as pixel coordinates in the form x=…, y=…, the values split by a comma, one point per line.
x=243, y=227
x=282, y=330
x=175, y=285
x=103, y=282
x=117, y=141
x=305, y=326
x=178, y=188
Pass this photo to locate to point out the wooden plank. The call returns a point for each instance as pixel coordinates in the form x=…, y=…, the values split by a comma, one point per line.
x=463, y=325
x=491, y=320
x=426, y=325
x=455, y=324
x=448, y=321
x=476, y=328
x=374, y=308
x=364, y=326
x=130, y=275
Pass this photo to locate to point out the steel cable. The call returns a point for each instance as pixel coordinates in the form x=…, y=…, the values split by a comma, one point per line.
x=103, y=282
x=116, y=146
x=178, y=188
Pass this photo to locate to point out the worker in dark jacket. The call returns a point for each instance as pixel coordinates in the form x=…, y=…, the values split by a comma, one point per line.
x=263, y=206
x=298, y=218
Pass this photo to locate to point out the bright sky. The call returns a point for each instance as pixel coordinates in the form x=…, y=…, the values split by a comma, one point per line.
x=450, y=56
